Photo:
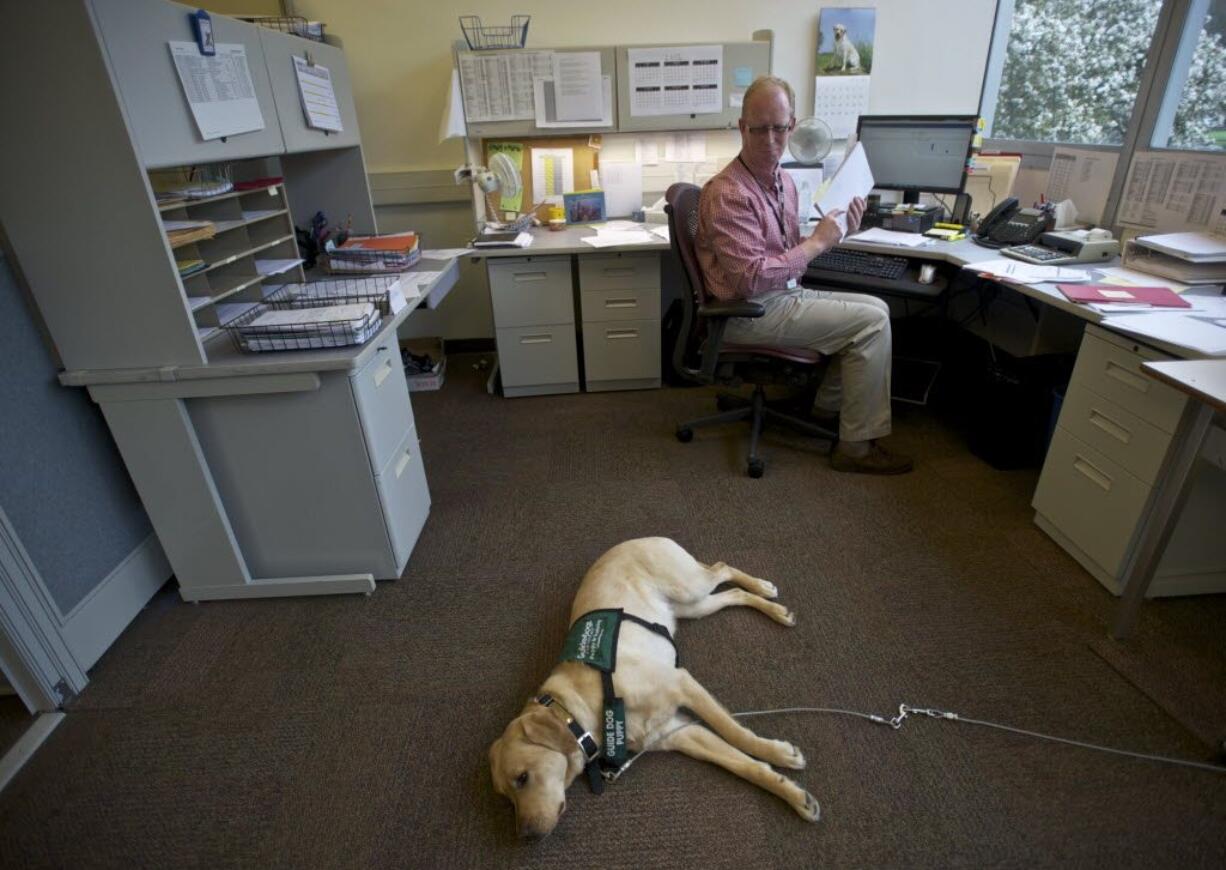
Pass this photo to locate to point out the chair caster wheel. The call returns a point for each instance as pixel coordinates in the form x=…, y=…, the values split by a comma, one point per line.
x=756, y=468
x=685, y=434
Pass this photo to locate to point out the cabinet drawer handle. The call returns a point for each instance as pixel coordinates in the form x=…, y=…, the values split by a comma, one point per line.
x=531, y=276
x=1088, y=470
x=621, y=303
x=613, y=334
x=536, y=339
x=1112, y=428
x=1128, y=378
x=382, y=373
x=404, y=462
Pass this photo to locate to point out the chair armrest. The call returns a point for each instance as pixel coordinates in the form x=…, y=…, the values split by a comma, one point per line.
x=738, y=308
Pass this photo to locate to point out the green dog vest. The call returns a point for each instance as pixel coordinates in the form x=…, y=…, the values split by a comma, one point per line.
x=592, y=641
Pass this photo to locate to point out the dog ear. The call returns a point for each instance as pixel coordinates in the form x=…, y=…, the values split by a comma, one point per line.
x=544, y=729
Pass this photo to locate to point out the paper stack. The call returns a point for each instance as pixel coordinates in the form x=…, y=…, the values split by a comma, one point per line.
x=182, y=233
x=310, y=328
x=392, y=253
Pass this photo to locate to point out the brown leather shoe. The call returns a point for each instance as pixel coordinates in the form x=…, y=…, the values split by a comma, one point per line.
x=878, y=460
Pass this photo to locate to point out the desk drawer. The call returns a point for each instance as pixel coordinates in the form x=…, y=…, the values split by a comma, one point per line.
x=629, y=271
x=621, y=351
x=1122, y=436
x=1114, y=372
x=382, y=397
x=602, y=305
x=538, y=355
x=1091, y=499
x=525, y=291
x=404, y=495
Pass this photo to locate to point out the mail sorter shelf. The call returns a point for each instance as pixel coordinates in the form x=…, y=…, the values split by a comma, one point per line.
x=253, y=250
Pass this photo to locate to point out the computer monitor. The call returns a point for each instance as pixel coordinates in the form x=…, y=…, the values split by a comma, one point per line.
x=917, y=153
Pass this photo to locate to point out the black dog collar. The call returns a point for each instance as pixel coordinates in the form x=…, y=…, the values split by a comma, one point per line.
x=586, y=741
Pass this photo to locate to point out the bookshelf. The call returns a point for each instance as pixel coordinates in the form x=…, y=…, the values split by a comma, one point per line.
x=225, y=448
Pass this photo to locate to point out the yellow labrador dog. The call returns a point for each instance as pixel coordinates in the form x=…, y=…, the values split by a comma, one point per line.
x=539, y=755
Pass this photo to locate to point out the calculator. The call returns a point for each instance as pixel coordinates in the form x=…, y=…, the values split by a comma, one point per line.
x=1039, y=254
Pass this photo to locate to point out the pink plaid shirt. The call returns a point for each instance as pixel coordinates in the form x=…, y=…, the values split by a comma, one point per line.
x=748, y=233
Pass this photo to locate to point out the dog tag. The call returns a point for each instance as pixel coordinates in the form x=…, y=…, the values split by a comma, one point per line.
x=592, y=640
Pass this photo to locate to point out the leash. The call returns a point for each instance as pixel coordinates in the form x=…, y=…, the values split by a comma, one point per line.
x=906, y=710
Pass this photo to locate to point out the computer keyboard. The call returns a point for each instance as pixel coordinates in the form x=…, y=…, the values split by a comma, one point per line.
x=860, y=263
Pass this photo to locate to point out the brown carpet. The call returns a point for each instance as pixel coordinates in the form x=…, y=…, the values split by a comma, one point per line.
x=352, y=732
x=14, y=720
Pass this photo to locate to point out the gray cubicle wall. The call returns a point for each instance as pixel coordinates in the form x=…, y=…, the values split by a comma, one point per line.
x=62, y=484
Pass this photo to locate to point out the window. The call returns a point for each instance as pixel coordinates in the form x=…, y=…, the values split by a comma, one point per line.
x=1072, y=69
x=1193, y=114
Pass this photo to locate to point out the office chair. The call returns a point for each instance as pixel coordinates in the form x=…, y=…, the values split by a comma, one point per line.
x=700, y=354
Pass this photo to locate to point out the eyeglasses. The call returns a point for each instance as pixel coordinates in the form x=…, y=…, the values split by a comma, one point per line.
x=768, y=129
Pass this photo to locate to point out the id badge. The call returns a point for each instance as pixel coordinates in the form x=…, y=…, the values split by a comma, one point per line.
x=792, y=284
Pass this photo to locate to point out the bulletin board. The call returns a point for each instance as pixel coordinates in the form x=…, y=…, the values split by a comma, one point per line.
x=586, y=151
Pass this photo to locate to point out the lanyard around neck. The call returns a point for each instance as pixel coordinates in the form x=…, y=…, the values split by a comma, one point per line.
x=774, y=197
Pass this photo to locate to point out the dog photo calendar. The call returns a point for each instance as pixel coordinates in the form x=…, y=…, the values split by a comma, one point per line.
x=844, y=64
x=840, y=102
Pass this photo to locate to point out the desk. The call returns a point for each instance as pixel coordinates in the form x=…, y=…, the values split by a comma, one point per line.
x=1108, y=459
x=534, y=296
x=1205, y=382
x=274, y=474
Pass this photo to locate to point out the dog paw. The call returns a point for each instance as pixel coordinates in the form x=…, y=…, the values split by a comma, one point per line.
x=787, y=755
x=810, y=810
x=781, y=614
x=769, y=590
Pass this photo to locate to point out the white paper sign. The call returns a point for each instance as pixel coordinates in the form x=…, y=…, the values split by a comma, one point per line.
x=622, y=184
x=318, y=97
x=1083, y=176
x=682, y=80
x=1175, y=191
x=553, y=174
x=576, y=86
x=498, y=86
x=218, y=89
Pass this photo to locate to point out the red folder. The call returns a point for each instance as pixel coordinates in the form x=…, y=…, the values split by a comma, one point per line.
x=1159, y=297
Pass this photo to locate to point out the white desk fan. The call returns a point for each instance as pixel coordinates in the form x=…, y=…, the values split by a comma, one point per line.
x=501, y=178
x=809, y=144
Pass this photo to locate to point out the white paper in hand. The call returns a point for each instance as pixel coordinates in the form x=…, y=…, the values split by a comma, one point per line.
x=852, y=179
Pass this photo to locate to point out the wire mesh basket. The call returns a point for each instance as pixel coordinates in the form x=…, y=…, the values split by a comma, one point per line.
x=482, y=38
x=313, y=316
x=340, y=261
x=293, y=24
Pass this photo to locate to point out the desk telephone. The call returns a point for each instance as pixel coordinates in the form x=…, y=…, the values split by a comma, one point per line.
x=1007, y=224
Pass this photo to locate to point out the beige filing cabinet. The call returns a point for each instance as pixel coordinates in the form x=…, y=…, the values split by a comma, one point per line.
x=1114, y=429
x=619, y=298
x=534, y=324
x=533, y=300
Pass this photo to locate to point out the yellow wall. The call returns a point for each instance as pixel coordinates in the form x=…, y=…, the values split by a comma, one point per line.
x=399, y=52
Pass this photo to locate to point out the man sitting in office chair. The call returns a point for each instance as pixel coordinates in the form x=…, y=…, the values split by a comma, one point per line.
x=749, y=247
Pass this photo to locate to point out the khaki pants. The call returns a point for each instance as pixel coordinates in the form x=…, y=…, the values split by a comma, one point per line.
x=853, y=330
